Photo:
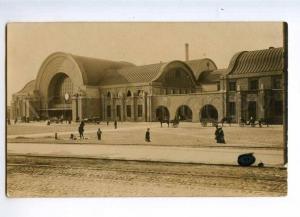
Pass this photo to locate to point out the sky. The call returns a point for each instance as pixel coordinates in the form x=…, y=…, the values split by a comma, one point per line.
x=28, y=44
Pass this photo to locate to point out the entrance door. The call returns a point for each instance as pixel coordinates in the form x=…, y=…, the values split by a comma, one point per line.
x=252, y=109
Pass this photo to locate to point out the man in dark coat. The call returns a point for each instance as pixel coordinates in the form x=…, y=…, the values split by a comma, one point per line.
x=116, y=124
x=147, y=136
x=99, y=133
x=219, y=135
x=81, y=130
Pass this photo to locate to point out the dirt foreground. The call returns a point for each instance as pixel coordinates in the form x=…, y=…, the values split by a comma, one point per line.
x=75, y=177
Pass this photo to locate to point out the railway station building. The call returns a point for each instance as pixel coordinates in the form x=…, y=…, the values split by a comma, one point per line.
x=76, y=88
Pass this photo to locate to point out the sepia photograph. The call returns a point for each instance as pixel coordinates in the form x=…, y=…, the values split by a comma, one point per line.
x=146, y=109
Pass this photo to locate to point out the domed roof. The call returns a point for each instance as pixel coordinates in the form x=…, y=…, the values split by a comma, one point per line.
x=144, y=73
x=209, y=77
x=133, y=74
x=201, y=65
x=267, y=60
x=96, y=69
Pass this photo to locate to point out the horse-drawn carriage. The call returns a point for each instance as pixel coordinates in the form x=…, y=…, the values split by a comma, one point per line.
x=252, y=122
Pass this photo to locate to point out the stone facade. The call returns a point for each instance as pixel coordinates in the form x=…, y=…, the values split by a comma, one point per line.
x=78, y=88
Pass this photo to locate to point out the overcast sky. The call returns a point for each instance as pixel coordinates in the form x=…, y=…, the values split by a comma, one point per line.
x=140, y=43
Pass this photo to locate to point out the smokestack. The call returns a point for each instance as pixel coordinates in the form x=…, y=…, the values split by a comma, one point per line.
x=186, y=51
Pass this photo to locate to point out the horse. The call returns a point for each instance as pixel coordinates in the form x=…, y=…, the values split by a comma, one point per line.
x=167, y=121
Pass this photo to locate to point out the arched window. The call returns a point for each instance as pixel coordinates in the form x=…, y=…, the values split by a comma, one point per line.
x=129, y=93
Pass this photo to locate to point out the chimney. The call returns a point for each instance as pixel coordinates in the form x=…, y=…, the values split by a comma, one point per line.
x=186, y=51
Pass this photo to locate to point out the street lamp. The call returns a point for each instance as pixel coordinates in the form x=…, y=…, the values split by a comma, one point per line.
x=76, y=96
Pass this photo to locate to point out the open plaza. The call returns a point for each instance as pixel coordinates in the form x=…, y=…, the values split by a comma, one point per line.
x=181, y=161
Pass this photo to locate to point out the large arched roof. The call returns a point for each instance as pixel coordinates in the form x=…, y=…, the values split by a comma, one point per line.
x=134, y=74
x=82, y=70
x=142, y=74
x=96, y=69
x=199, y=66
x=99, y=72
x=267, y=60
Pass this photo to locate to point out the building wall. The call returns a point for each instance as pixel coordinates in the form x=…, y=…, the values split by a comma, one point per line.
x=266, y=101
x=194, y=101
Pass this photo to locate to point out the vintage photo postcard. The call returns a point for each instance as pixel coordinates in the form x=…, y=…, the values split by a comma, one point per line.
x=146, y=109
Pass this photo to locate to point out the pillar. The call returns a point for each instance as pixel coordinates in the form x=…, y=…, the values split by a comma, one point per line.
x=261, y=102
x=239, y=105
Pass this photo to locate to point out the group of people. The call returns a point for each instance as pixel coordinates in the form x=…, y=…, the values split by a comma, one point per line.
x=99, y=132
x=219, y=133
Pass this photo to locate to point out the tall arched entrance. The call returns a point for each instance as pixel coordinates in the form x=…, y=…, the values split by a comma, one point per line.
x=208, y=113
x=162, y=113
x=60, y=91
x=184, y=113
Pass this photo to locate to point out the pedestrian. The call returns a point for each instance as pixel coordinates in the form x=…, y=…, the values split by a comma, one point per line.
x=219, y=135
x=147, y=136
x=116, y=124
x=107, y=122
x=81, y=130
x=99, y=133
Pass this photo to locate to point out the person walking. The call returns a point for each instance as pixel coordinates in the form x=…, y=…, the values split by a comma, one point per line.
x=81, y=130
x=147, y=136
x=99, y=133
x=116, y=124
x=219, y=135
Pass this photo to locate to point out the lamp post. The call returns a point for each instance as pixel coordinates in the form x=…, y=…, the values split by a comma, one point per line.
x=76, y=97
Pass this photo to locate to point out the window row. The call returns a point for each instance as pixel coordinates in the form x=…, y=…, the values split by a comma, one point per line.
x=128, y=111
x=253, y=84
x=129, y=94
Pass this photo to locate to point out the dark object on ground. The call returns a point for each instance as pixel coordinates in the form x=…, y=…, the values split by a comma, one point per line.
x=246, y=159
x=261, y=164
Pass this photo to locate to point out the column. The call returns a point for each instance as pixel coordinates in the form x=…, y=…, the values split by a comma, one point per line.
x=238, y=104
x=74, y=108
x=261, y=102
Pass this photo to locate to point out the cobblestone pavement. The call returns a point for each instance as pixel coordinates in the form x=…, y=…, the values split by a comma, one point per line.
x=54, y=177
